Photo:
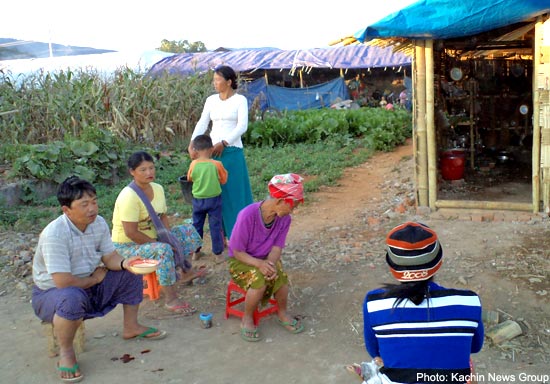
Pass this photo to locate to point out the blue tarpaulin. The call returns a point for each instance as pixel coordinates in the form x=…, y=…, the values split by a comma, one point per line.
x=287, y=99
x=246, y=60
x=445, y=19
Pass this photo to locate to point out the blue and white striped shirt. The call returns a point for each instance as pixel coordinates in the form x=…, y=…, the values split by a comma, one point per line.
x=431, y=340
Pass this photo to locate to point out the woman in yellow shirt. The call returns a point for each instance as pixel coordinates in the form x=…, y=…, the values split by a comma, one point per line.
x=134, y=232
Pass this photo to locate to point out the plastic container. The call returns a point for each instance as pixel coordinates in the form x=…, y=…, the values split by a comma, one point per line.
x=186, y=189
x=206, y=320
x=453, y=164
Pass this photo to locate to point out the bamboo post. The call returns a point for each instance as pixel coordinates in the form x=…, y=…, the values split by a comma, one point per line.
x=490, y=318
x=420, y=54
x=504, y=331
x=431, y=142
x=414, y=125
x=472, y=89
x=535, y=151
x=541, y=117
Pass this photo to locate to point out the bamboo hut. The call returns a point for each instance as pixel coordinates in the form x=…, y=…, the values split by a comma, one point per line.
x=481, y=100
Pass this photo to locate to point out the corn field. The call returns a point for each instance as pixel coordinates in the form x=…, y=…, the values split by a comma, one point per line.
x=45, y=107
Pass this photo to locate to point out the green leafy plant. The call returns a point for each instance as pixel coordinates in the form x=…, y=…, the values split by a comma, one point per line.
x=311, y=126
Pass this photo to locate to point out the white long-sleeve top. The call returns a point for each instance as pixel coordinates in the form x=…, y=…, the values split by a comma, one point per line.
x=229, y=119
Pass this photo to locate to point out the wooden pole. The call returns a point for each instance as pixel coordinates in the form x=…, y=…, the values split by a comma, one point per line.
x=471, y=204
x=431, y=142
x=422, y=151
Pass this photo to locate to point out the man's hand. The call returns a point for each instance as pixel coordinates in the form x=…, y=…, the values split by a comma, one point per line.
x=99, y=274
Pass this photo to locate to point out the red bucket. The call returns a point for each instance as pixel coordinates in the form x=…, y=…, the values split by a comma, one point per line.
x=453, y=164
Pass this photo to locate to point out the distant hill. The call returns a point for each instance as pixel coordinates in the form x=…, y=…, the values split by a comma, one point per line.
x=13, y=49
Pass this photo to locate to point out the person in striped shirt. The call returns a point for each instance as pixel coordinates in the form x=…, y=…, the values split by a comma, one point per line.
x=418, y=331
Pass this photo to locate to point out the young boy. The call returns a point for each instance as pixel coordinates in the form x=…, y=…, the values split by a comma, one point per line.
x=207, y=176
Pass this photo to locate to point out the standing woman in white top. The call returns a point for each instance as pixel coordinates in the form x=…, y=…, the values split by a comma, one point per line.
x=228, y=112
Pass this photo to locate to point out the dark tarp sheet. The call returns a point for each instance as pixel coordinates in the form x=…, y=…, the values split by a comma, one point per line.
x=287, y=99
x=445, y=19
x=353, y=56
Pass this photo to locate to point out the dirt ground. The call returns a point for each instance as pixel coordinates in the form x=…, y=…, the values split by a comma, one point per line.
x=334, y=256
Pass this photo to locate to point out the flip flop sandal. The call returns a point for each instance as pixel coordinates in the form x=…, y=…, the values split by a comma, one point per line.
x=250, y=334
x=297, y=327
x=145, y=335
x=182, y=309
x=355, y=370
x=149, y=331
x=72, y=370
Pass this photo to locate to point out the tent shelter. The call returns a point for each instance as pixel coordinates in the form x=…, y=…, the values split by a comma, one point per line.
x=280, y=77
x=252, y=60
x=481, y=98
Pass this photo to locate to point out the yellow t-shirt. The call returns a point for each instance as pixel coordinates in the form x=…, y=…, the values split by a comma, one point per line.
x=130, y=208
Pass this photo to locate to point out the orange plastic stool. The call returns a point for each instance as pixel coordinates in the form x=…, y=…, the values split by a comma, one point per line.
x=230, y=304
x=151, y=286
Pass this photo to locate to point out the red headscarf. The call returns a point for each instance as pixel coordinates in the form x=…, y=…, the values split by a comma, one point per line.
x=288, y=186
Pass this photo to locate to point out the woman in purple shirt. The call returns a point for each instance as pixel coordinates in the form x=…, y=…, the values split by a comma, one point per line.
x=255, y=249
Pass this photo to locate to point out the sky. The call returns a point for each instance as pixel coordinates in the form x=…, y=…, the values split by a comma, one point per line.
x=124, y=25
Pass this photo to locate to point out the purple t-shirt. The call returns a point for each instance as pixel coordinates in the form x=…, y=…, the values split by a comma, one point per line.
x=251, y=236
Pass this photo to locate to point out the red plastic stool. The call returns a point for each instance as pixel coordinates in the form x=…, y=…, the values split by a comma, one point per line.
x=230, y=304
x=151, y=286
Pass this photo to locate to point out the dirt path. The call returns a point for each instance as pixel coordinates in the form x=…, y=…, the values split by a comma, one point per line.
x=359, y=189
x=334, y=255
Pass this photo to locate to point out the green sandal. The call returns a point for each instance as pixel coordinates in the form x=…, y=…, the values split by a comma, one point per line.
x=296, y=325
x=250, y=334
x=72, y=370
